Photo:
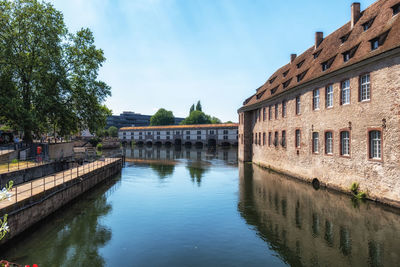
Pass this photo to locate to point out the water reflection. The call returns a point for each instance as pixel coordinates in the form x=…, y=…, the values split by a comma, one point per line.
x=317, y=228
x=175, y=153
x=76, y=232
x=197, y=171
x=162, y=170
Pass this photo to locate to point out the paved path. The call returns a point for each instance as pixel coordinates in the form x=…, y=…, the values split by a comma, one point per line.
x=37, y=186
x=21, y=165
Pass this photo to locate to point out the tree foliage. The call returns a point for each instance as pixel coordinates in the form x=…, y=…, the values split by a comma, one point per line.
x=113, y=131
x=191, y=109
x=198, y=106
x=162, y=117
x=48, y=76
x=197, y=116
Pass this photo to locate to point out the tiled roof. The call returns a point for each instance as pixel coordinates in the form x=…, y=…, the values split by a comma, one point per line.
x=306, y=68
x=173, y=127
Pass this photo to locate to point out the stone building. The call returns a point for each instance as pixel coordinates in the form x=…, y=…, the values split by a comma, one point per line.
x=202, y=134
x=332, y=113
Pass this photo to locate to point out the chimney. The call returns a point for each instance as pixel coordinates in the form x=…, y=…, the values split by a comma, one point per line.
x=292, y=57
x=355, y=13
x=319, y=36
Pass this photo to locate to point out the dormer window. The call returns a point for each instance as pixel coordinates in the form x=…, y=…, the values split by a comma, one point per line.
x=350, y=53
x=378, y=41
x=300, y=64
x=396, y=9
x=301, y=76
x=272, y=80
x=286, y=84
x=273, y=91
x=327, y=64
x=345, y=37
x=258, y=96
x=285, y=73
x=316, y=54
x=368, y=24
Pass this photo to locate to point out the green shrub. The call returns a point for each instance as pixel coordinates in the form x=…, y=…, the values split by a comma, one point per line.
x=354, y=188
x=14, y=161
x=99, y=146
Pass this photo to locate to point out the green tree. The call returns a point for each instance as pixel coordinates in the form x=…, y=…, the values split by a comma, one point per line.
x=113, y=131
x=48, y=77
x=198, y=106
x=229, y=122
x=162, y=117
x=215, y=120
x=191, y=109
x=196, y=117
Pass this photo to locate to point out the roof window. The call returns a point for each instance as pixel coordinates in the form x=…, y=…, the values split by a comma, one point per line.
x=350, y=53
x=344, y=38
x=301, y=76
x=327, y=64
x=368, y=24
x=300, y=64
x=316, y=54
x=396, y=9
x=379, y=41
x=273, y=91
x=286, y=84
x=258, y=96
x=272, y=79
x=285, y=73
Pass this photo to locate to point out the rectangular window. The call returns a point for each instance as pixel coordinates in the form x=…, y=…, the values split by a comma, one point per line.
x=328, y=143
x=316, y=99
x=298, y=138
x=375, y=145
x=345, y=92
x=329, y=96
x=270, y=113
x=225, y=131
x=269, y=139
x=276, y=111
x=315, y=142
x=298, y=105
x=259, y=114
x=255, y=139
x=263, y=139
x=187, y=132
x=345, y=143
x=284, y=104
x=168, y=133
x=365, y=88
x=158, y=133
x=259, y=139
x=276, y=139
x=198, y=137
x=264, y=114
x=283, y=140
x=198, y=132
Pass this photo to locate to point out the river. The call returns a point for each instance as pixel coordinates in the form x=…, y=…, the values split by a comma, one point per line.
x=198, y=207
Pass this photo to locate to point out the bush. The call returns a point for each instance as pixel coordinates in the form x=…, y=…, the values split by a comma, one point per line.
x=99, y=146
x=356, y=194
x=14, y=161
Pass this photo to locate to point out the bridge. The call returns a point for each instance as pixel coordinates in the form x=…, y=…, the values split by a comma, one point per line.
x=188, y=135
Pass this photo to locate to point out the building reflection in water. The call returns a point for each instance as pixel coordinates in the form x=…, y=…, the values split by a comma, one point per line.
x=163, y=159
x=317, y=228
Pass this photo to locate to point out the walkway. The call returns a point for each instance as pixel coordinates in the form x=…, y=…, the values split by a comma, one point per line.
x=37, y=186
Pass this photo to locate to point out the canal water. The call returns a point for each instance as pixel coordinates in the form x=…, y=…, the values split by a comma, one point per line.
x=199, y=207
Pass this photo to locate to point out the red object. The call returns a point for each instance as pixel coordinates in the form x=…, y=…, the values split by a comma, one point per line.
x=39, y=150
x=27, y=266
x=35, y=265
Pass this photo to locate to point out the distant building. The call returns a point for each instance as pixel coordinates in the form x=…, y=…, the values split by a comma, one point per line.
x=204, y=134
x=132, y=119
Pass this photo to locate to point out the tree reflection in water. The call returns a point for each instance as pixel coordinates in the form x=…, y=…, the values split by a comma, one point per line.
x=163, y=170
x=75, y=239
x=317, y=228
x=197, y=171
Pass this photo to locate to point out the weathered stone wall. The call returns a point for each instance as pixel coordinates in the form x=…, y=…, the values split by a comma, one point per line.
x=6, y=157
x=61, y=150
x=380, y=179
x=30, y=211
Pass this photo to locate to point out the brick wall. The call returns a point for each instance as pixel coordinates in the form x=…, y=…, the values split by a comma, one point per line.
x=380, y=179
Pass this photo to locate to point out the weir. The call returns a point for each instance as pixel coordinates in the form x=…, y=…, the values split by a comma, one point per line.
x=31, y=202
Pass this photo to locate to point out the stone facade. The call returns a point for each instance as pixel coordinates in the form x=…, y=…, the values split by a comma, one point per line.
x=378, y=175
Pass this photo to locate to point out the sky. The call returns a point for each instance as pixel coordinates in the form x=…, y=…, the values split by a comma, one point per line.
x=171, y=53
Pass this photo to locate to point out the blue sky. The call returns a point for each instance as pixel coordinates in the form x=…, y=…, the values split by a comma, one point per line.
x=171, y=53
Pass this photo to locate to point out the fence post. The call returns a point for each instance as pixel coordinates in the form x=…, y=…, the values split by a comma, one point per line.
x=8, y=166
x=31, y=188
x=16, y=193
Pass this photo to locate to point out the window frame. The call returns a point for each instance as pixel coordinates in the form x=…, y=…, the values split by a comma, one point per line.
x=341, y=154
x=276, y=139
x=316, y=104
x=369, y=130
x=284, y=108
x=326, y=96
x=269, y=112
x=264, y=137
x=298, y=105
x=283, y=139
x=325, y=143
x=360, y=92
x=276, y=111
x=315, y=151
x=342, y=90
x=269, y=139
x=297, y=145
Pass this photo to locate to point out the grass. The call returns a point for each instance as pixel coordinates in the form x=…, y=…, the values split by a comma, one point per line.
x=354, y=188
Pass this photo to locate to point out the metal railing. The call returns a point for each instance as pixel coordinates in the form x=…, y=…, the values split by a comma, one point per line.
x=37, y=186
x=16, y=165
